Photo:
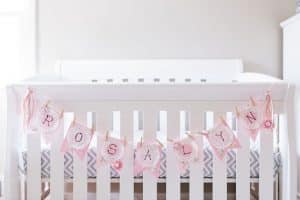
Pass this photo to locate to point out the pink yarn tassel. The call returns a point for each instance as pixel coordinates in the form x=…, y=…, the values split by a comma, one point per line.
x=269, y=106
x=29, y=104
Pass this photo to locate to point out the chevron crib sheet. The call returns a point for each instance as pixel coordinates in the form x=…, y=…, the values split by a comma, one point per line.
x=207, y=170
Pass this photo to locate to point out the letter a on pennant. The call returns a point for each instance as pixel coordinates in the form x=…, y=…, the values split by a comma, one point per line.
x=147, y=157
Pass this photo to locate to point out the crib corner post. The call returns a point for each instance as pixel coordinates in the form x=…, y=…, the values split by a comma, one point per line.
x=289, y=149
x=11, y=175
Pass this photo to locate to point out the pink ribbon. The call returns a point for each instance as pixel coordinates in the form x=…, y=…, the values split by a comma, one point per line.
x=268, y=113
x=29, y=104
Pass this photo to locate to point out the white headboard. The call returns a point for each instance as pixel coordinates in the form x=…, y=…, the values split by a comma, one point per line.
x=162, y=70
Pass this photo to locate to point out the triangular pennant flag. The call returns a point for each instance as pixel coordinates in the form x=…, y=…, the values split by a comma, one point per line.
x=112, y=152
x=147, y=157
x=187, y=151
x=250, y=118
x=221, y=138
x=48, y=120
x=78, y=139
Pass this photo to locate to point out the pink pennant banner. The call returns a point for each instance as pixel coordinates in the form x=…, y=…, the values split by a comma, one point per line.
x=256, y=116
x=45, y=117
x=112, y=152
x=78, y=139
x=221, y=138
x=147, y=157
x=187, y=151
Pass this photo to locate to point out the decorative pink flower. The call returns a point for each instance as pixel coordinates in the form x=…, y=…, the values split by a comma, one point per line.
x=117, y=165
x=268, y=124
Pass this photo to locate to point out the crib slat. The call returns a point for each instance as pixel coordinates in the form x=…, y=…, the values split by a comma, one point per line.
x=266, y=165
x=34, y=166
x=104, y=123
x=80, y=168
x=219, y=171
x=126, y=175
x=196, y=169
x=173, y=174
x=57, y=165
x=149, y=181
x=243, y=165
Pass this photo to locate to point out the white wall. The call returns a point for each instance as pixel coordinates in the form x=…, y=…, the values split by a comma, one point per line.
x=95, y=29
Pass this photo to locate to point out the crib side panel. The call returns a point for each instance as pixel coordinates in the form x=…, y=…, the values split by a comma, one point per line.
x=173, y=177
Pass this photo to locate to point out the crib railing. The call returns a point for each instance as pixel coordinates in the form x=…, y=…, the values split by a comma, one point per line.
x=94, y=104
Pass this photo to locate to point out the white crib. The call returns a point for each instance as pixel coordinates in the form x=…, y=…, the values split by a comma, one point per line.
x=159, y=90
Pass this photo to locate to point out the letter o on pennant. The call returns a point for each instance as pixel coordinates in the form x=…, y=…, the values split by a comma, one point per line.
x=78, y=139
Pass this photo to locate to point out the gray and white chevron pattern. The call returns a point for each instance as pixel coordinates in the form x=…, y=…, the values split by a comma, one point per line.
x=207, y=170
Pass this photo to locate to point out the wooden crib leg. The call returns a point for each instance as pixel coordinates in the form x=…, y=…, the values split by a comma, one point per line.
x=254, y=191
x=45, y=191
x=45, y=194
x=25, y=190
x=276, y=187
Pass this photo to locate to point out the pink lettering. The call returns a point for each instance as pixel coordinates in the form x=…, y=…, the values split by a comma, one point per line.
x=112, y=149
x=251, y=117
